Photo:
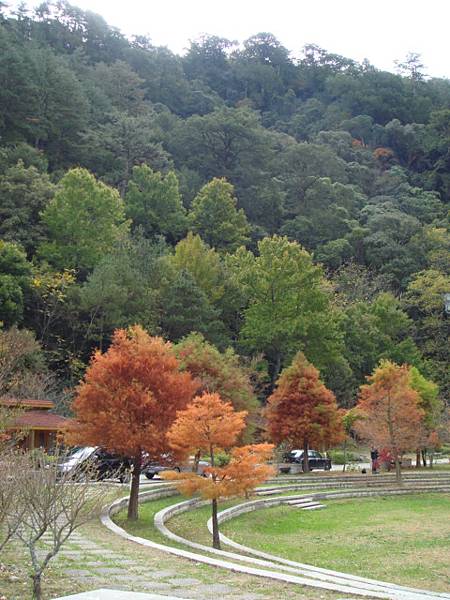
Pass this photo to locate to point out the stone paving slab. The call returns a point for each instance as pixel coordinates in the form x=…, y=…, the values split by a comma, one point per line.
x=182, y=594
x=127, y=561
x=105, y=594
x=185, y=581
x=157, y=586
x=213, y=589
x=259, y=597
x=110, y=570
x=77, y=573
x=161, y=574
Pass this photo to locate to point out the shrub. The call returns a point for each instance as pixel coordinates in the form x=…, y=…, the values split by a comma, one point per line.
x=337, y=457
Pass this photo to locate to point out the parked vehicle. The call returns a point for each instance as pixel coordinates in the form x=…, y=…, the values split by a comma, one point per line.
x=153, y=468
x=98, y=462
x=316, y=459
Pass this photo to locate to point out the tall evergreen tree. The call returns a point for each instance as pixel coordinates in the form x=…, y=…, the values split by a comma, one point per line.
x=216, y=219
x=153, y=203
x=85, y=219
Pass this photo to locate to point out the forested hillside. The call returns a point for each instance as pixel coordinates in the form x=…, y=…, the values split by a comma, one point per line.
x=270, y=204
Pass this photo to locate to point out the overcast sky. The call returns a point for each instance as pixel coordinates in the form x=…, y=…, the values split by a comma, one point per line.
x=380, y=30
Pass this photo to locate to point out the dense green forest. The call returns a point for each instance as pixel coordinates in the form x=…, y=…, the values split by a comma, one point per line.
x=270, y=204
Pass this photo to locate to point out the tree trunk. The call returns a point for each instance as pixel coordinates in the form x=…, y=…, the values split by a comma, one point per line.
x=196, y=462
x=345, y=456
x=418, y=458
x=305, y=456
x=215, y=524
x=37, y=591
x=424, y=457
x=276, y=369
x=398, y=470
x=134, y=492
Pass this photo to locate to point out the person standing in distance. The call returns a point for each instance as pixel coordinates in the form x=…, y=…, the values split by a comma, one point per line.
x=374, y=459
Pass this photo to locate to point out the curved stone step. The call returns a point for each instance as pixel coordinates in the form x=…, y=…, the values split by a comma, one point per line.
x=279, y=569
x=299, y=501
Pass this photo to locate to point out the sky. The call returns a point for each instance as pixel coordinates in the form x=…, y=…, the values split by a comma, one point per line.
x=380, y=30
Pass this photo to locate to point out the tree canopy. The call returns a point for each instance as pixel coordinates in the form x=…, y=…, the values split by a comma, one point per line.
x=129, y=398
x=302, y=411
x=391, y=412
x=84, y=219
x=272, y=204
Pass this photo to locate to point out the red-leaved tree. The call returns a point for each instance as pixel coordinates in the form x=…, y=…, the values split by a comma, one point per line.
x=209, y=425
x=129, y=399
x=302, y=411
x=390, y=409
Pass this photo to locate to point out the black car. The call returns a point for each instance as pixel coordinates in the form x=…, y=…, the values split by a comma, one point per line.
x=151, y=469
x=315, y=459
x=99, y=463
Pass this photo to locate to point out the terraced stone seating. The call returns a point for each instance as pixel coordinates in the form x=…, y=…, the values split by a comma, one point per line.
x=305, y=504
x=425, y=481
x=251, y=561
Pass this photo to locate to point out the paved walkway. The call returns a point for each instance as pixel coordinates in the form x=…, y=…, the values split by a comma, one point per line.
x=109, y=594
x=94, y=565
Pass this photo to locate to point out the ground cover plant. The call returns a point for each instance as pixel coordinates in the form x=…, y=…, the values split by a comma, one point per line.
x=404, y=539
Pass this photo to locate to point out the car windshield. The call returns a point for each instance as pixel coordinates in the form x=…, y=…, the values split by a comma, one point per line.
x=311, y=453
x=81, y=453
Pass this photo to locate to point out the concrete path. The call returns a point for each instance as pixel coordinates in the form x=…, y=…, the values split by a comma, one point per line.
x=95, y=565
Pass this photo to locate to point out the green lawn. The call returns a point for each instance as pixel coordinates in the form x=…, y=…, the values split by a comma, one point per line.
x=194, y=526
x=145, y=526
x=402, y=539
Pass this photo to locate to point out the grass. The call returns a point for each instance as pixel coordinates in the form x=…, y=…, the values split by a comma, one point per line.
x=243, y=584
x=145, y=527
x=192, y=525
x=405, y=539
x=440, y=467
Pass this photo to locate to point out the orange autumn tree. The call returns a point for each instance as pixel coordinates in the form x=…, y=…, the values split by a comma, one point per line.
x=129, y=398
x=209, y=425
x=390, y=409
x=302, y=411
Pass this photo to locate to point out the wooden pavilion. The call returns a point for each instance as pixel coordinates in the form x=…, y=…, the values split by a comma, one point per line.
x=38, y=425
